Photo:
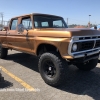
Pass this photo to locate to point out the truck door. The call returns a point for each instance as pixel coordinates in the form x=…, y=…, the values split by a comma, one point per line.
x=20, y=41
x=11, y=34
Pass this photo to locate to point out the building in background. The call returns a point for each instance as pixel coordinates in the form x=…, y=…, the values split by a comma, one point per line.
x=80, y=26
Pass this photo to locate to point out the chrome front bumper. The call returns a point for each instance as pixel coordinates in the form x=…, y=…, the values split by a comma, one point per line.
x=85, y=53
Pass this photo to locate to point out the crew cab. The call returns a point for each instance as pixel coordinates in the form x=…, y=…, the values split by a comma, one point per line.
x=48, y=37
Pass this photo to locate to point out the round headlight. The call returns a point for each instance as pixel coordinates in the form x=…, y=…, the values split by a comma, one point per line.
x=74, y=47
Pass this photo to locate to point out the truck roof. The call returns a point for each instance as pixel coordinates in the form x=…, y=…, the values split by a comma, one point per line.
x=35, y=14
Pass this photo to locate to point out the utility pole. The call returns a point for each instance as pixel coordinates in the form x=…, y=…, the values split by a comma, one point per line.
x=1, y=15
x=67, y=21
x=89, y=22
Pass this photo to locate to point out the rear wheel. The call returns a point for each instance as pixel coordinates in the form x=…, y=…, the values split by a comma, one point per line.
x=52, y=69
x=3, y=52
x=89, y=65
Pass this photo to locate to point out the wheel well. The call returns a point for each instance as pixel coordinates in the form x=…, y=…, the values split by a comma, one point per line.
x=46, y=48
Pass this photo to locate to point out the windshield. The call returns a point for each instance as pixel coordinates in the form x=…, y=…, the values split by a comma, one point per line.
x=46, y=21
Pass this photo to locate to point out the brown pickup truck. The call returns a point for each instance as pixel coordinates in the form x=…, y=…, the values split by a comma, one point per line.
x=56, y=45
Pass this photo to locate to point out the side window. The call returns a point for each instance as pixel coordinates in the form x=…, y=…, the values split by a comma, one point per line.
x=44, y=24
x=58, y=23
x=27, y=22
x=14, y=24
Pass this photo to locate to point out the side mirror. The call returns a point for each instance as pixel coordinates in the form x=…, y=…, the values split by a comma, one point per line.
x=20, y=28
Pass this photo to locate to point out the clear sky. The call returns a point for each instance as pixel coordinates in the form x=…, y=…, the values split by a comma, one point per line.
x=77, y=11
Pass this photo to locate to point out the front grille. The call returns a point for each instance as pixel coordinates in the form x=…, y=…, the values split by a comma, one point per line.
x=85, y=45
x=97, y=44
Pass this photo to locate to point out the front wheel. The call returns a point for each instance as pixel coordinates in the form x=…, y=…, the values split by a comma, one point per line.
x=52, y=69
x=89, y=65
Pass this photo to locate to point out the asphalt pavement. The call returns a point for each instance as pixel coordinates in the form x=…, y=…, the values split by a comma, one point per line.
x=20, y=72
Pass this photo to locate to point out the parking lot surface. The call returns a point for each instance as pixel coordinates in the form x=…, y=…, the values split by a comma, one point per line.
x=20, y=72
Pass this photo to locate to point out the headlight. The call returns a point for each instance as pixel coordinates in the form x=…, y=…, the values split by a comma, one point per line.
x=74, y=47
x=76, y=38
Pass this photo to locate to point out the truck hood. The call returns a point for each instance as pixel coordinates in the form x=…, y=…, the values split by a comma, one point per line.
x=66, y=32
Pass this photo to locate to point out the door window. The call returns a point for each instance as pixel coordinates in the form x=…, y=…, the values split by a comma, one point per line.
x=27, y=22
x=14, y=24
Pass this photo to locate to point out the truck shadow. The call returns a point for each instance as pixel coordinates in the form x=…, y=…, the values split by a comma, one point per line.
x=83, y=83
x=77, y=82
x=24, y=59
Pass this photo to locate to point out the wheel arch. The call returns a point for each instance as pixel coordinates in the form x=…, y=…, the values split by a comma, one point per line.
x=46, y=48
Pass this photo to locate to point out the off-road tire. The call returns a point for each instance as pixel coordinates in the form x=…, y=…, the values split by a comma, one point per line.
x=3, y=52
x=58, y=63
x=88, y=65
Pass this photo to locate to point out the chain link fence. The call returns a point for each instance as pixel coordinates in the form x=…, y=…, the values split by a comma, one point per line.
x=3, y=24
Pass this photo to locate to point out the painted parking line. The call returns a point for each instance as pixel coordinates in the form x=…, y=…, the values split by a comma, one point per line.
x=27, y=86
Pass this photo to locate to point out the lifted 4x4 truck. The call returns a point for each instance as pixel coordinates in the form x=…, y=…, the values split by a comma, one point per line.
x=56, y=45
